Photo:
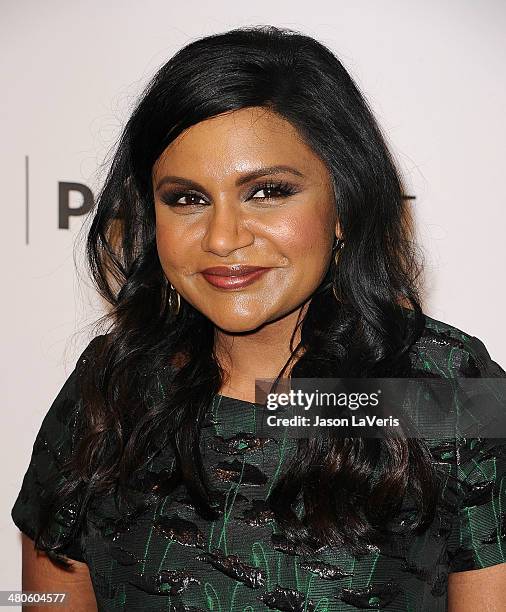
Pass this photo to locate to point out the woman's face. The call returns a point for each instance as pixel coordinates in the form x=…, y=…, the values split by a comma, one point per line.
x=219, y=201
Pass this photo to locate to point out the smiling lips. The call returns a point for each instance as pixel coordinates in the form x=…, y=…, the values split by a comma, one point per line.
x=232, y=277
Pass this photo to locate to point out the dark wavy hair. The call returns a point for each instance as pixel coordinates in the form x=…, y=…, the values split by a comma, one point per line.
x=366, y=332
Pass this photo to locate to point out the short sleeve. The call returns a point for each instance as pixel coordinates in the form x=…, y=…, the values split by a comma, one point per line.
x=53, y=446
x=478, y=536
x=479, y=355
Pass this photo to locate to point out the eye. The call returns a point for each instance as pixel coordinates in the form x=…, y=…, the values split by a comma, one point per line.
x=177, y=198
x=273, y=190
x=268, y=190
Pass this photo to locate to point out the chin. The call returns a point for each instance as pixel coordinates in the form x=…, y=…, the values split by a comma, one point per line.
x=236, y=325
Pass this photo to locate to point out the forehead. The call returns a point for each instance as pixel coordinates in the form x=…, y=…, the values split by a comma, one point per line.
x=236, y=142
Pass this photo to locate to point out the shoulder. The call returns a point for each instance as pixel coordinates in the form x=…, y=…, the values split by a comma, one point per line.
x=46, y=473
x=60, y=418
x=451, y=351
x=56, y=436
x=473, y=468
x=91, y=349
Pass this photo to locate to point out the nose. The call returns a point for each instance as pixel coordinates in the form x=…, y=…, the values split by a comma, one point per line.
x=226, y=229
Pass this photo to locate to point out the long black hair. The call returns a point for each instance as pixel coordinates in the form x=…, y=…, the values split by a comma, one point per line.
x=361, y=321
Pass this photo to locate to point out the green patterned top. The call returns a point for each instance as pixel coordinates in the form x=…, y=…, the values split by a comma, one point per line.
x=169, y=558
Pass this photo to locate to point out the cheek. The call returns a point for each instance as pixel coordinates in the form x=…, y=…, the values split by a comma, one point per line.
x=167, y=251
x=305, y=238
x=176, y=246
x=163, y=242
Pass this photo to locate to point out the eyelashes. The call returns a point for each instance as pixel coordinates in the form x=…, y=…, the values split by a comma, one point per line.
x=280, y=188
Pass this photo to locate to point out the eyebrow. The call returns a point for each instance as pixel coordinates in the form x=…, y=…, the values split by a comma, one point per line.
x=244, y=178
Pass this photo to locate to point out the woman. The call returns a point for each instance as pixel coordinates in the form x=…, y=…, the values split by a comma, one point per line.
x=253, y=225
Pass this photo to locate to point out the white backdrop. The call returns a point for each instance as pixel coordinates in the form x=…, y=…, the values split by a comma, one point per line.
x=70, y=73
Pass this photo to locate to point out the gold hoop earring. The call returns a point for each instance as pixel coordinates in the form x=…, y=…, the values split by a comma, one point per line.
x=172, y=289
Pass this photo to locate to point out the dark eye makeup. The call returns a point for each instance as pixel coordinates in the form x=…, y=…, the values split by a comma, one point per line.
x=280, y=189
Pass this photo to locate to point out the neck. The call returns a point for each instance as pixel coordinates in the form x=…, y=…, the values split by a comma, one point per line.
x=261, y=353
